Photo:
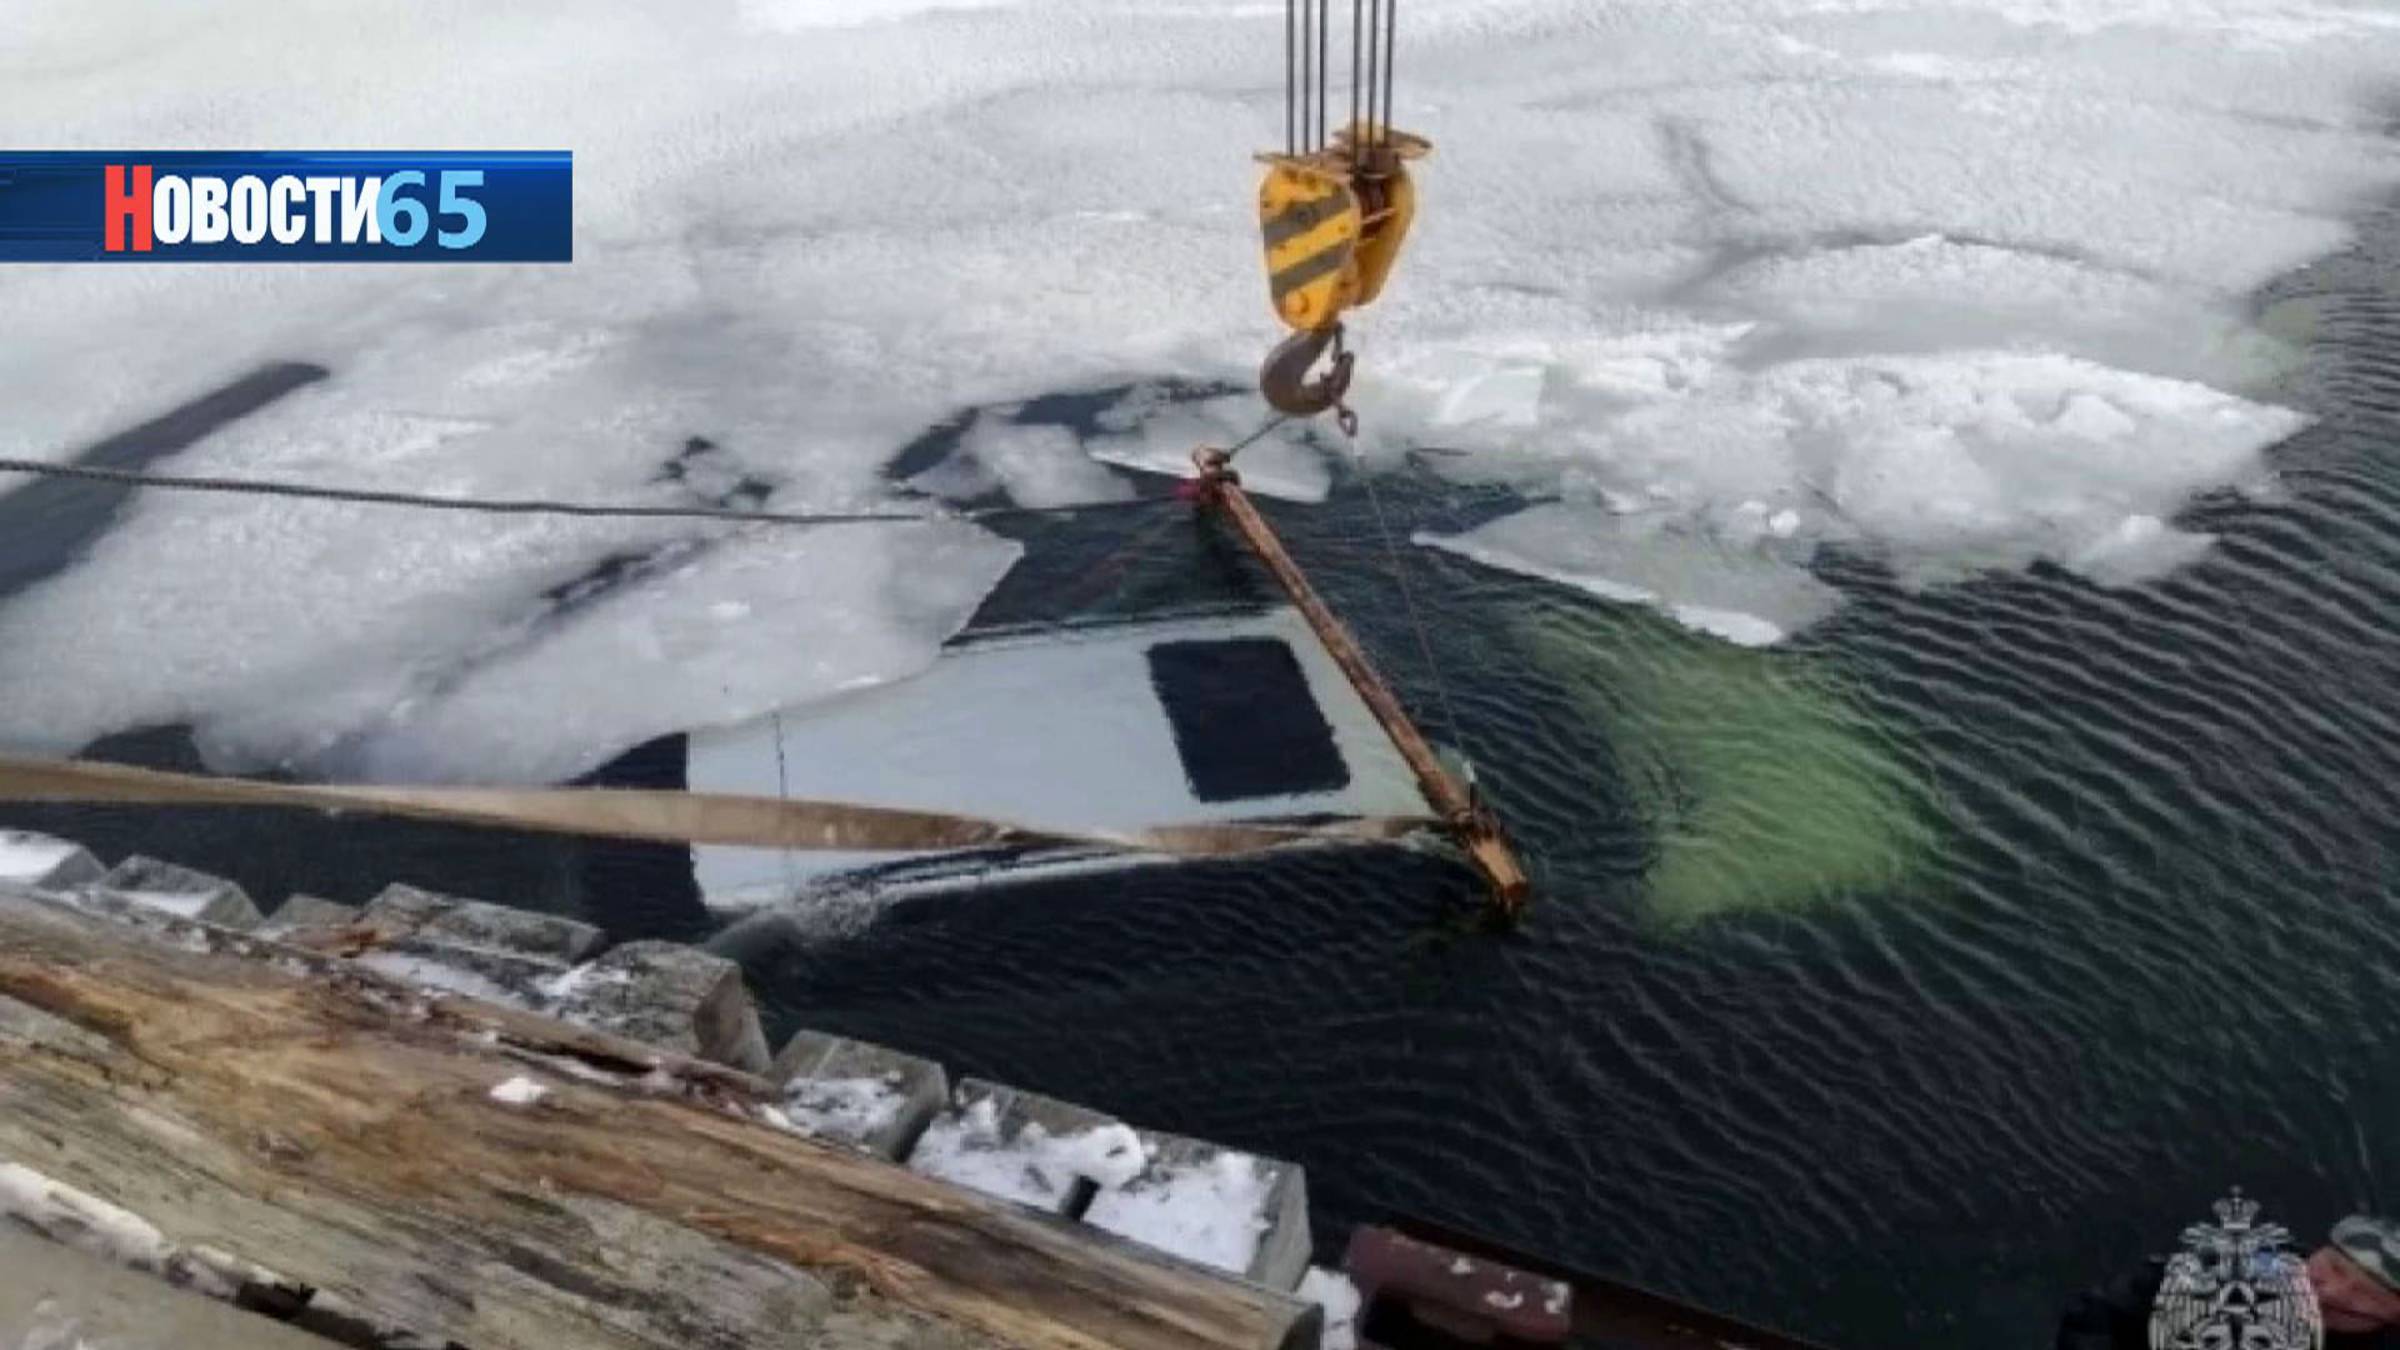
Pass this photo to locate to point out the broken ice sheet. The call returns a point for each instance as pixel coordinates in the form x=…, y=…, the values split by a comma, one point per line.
x=1764, y=203
x=1278, y=464
x=1754, y=594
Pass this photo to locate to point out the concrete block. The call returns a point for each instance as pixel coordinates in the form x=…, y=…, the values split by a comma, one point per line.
x=307, y=911
x=1237, y=1212
x=45, y=861
x=181, y=891
x=857, y=1093
x=672, y=996
x=487, y=973
x=475, y=923
x=1025, y=1147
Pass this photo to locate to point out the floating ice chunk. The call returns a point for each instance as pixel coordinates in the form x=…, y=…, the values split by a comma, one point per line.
x=1041, y=464
x=2019, y=456
x=519, y=1091
x=1746, y=596
x=1746, y=630
x=811, y=261
x=2140, y=548
x=1508, y=394
x=1278, y=464
x=1332, y=1291
x=1287, y=468
x=1949, y=462
x=1935, y=293
x=2094, y=419
x=830, y=610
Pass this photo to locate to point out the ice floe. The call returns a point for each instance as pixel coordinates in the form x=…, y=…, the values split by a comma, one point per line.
x=1961, y=281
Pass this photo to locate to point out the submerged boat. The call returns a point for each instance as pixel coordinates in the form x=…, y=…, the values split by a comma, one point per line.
x=1118, y=726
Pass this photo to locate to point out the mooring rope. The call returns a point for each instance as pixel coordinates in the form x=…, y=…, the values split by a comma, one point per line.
x=270, y=487
x=267, y=487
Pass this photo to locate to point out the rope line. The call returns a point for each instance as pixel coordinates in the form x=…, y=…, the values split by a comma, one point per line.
x=1357, y=56
x=1374, y=65
x=1324, y=79
x=1309, y=75
x=267, y=487
x=1408, y=600
x=1391, y=45
x=1308, y=71
x=1269, y=425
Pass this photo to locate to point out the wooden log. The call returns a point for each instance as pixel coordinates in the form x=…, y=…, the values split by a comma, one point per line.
x=341, y=1132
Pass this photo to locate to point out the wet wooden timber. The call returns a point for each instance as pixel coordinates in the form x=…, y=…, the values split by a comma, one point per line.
x=338, y=1129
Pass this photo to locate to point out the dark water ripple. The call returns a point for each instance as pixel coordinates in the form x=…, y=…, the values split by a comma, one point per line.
x=2037, y=912
x=2126, y=932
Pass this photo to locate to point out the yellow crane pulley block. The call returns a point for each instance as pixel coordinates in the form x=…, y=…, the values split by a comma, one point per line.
x=1333, y=221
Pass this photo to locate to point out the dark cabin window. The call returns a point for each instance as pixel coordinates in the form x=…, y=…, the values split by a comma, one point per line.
x=1244, y=719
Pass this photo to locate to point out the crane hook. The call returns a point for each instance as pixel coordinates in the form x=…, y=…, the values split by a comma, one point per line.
x=1284, y=376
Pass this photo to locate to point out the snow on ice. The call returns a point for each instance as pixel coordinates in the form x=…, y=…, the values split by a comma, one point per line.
x=1960, y=281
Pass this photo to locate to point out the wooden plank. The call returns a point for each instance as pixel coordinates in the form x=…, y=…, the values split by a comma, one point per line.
x=659, y=815
x=56, y=1297
x=339, y=1131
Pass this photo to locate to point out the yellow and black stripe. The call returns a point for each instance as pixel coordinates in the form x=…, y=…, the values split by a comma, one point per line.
x=1311, y=224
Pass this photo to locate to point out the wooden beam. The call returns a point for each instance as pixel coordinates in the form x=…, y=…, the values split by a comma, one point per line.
x=339, y=1130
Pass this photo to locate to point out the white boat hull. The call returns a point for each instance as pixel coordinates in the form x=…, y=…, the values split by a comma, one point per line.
x=1091, y=729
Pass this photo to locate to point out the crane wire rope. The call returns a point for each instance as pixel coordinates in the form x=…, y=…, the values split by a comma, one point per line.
x=1374, y=44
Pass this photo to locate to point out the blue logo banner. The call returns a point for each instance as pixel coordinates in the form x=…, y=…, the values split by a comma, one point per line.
x=286, y=206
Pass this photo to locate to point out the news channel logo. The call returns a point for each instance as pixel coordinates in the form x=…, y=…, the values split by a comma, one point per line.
x=286, y=206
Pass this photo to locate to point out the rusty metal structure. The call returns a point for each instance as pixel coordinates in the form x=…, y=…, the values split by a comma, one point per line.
x=1463, y=813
